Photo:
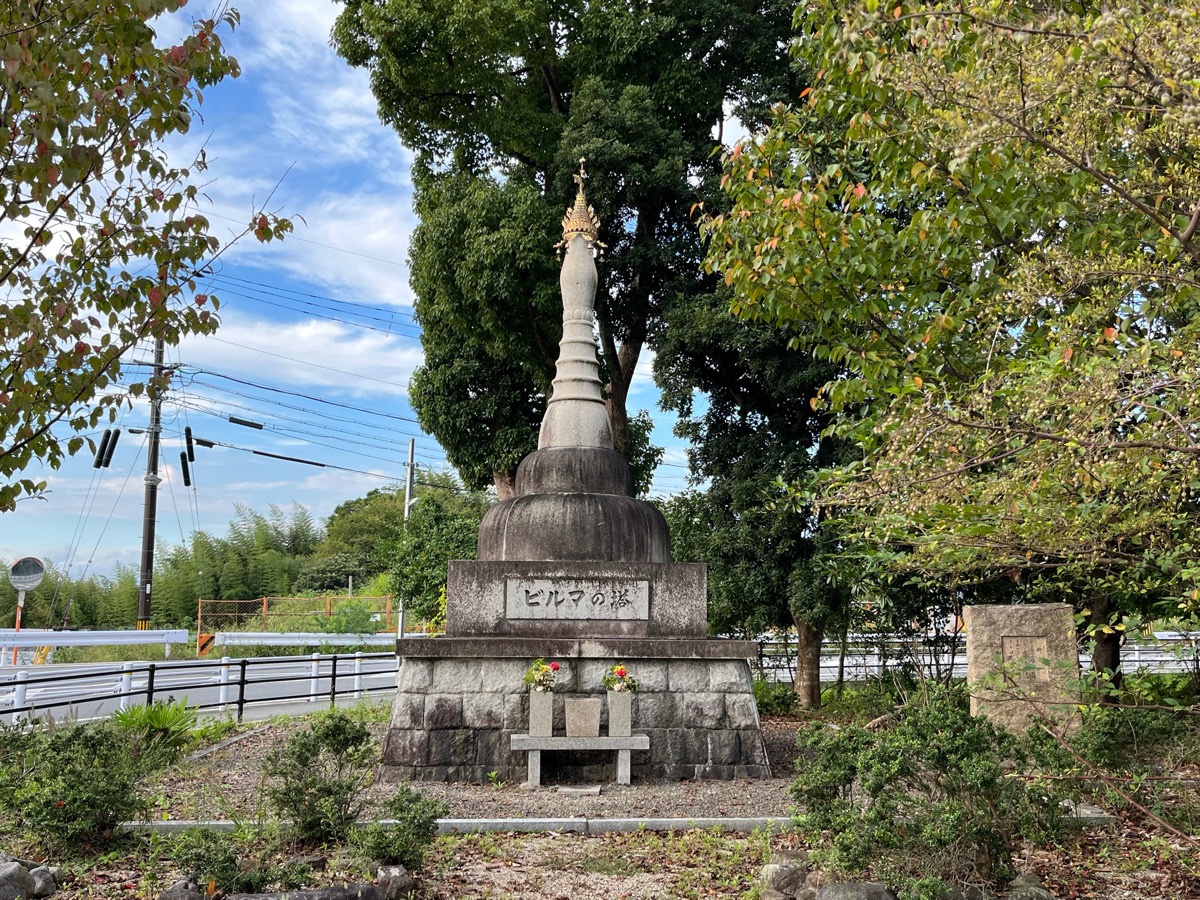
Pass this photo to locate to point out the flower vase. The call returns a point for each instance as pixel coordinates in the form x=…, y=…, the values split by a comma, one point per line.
x=620, y=713
x=541, y=713
x=583, y=718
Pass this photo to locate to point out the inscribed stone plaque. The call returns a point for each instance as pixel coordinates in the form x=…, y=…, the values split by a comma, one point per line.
x=577, y=598
x=1024, y=689
x=1024, y=650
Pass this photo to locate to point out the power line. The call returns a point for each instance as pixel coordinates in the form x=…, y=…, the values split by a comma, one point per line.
x=296, y=459
x=275, y=390
x=316, y=315
x=304, y=362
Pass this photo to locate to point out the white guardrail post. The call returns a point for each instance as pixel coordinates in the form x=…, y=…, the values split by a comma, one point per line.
x=19, y=695
x=125, y=686
x=223, y=681
x=357, y=674
x=314, y=673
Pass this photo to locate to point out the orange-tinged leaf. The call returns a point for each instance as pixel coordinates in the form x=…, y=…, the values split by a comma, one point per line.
x=804, y=93
x=1068, y=353
x=814, y=403
x=918, y=381
x=859, y=190
x=897, y=12
x=1110, y=333
x=1166, y=231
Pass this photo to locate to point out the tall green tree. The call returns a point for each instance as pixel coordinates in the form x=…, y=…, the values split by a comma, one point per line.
x=443, y=525
x=104, y=237
x=500, y=100
x=753, y=430
x=987, y=215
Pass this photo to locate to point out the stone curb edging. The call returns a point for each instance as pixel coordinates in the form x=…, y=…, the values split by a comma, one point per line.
x=1081, y=815
x=576, y=824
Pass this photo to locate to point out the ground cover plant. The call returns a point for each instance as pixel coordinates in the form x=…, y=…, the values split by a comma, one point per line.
x=1137, y=858
x=926, y=803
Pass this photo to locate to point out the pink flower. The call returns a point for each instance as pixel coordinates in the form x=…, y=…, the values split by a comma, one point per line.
x=554, y=667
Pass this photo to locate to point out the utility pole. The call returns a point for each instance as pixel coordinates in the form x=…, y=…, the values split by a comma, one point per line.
x=150, y=510
x=410, y=478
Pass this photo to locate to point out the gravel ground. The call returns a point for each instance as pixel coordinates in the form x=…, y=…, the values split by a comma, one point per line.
x=228, y=784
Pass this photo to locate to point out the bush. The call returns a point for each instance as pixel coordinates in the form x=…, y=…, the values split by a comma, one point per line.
x=404, y=842
x=322, y=774
x=217, y=857
x=71, y=787
x=162, y=725
x=928, y=803
x=774, y=698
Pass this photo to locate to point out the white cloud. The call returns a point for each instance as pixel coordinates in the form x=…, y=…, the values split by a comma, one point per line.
x=309, y=353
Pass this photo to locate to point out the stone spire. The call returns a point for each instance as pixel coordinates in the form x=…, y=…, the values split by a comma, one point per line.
x=575, y=414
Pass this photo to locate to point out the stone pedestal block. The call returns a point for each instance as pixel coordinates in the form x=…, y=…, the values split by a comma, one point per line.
x=693, y=730
x=620, y=713
x=541, y=713
x=582, y=717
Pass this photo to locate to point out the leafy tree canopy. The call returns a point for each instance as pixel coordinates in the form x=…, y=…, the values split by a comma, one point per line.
x=987, y=215
x=500, y=99
x=104, y=241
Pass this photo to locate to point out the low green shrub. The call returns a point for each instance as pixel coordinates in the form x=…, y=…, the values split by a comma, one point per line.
x=774, y=698
x=222, y=859
x=934, y=800
x=70, y=787
x=404, y=842
x=320, y=775
x=164, y=724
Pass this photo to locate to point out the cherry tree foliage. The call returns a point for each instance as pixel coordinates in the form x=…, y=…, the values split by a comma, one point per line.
x=102, y=238
x=986, y=215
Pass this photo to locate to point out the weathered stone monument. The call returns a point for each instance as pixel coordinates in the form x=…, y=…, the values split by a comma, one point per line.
x=1038, y=671
x=573, y=568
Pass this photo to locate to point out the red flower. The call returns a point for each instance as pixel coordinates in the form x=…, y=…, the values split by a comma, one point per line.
x=619, y=671
x=554, y=667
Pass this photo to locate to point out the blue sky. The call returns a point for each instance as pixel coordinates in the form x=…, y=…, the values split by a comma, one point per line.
x=316, y=340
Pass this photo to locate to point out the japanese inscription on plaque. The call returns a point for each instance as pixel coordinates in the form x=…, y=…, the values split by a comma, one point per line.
x=577, y=598
x=1023, y=651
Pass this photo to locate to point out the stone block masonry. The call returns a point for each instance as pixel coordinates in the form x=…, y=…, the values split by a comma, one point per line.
x=696, y=705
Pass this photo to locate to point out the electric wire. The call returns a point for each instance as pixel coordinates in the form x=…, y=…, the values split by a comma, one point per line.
x=276, y=390
x=301, y=434
x=304, y=362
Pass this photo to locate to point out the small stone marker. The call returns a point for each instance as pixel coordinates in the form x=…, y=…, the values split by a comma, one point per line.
x=582, y=790
x=1039, y=658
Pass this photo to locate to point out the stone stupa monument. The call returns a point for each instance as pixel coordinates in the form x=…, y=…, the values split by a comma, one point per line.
x=573, y=568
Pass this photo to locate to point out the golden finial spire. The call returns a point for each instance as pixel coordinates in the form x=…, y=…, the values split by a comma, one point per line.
x=580, y=219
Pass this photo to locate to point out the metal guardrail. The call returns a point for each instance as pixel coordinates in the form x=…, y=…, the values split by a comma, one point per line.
x=868, y=656
x=49, y=637
x=301, y=639
x=230, y=682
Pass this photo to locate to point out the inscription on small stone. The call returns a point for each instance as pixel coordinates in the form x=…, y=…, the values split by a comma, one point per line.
x=577, y=598
x=1024, y=650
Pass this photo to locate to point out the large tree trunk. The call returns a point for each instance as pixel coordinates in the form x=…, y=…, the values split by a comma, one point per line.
x=808, y=663
x=626, y=358
x=506, y=484
x=1107, y=653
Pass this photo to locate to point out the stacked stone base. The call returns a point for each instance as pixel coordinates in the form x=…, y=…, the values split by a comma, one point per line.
x=460, y=700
